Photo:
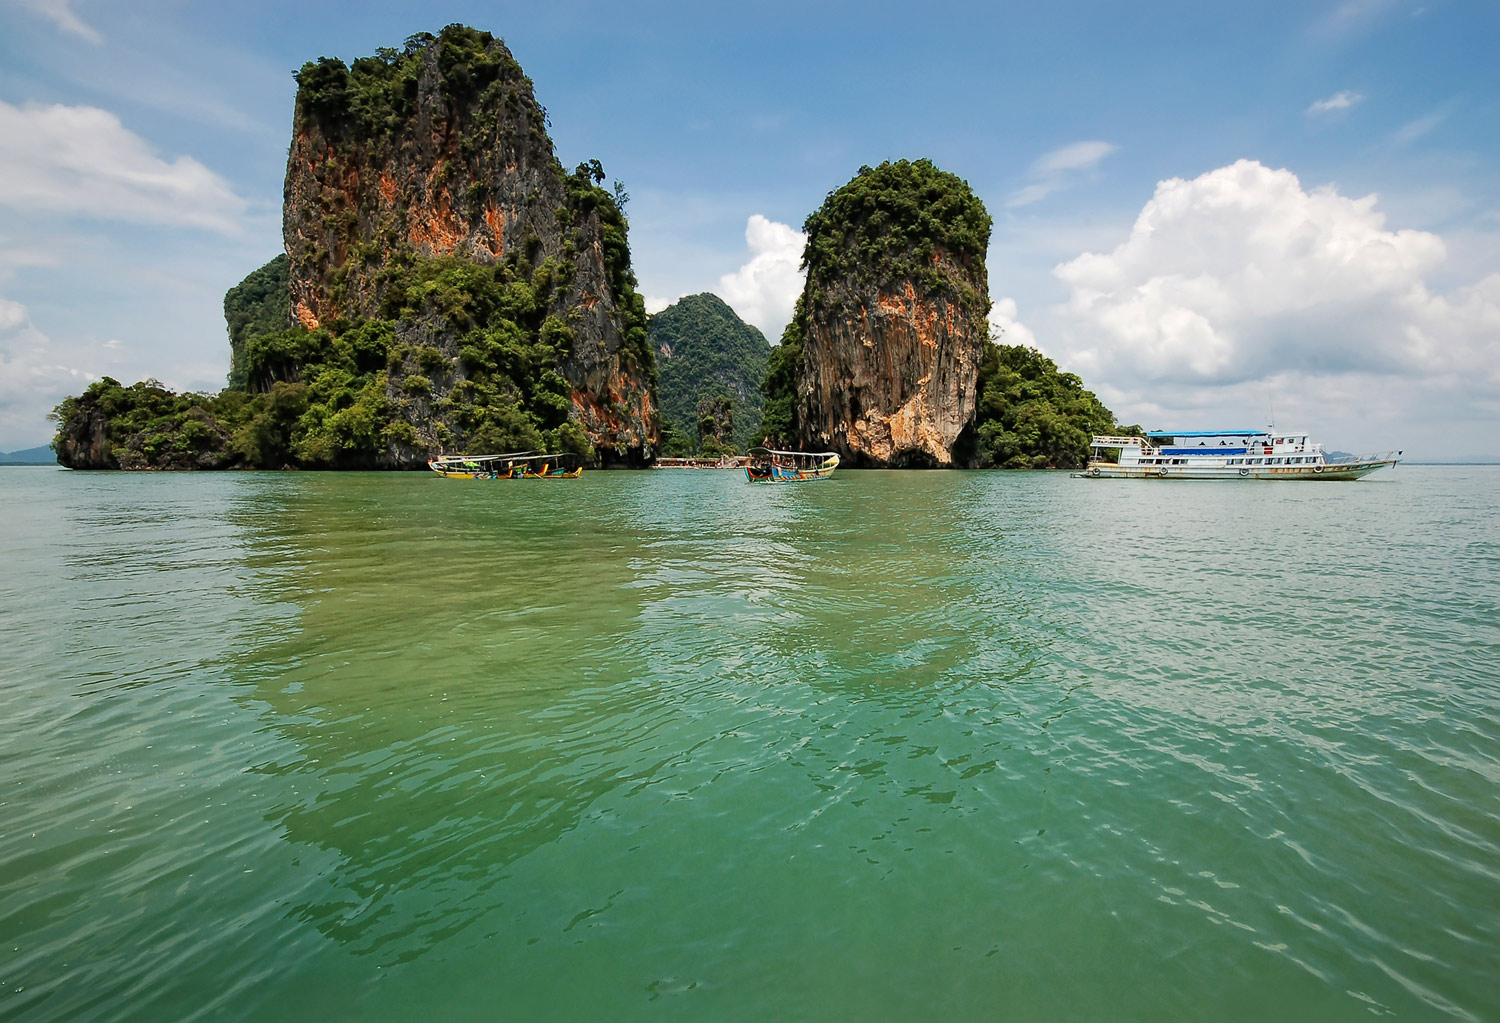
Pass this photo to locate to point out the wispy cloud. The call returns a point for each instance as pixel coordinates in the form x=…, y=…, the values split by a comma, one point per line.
x=1413, y=130
x=83, y=161
x=1031, y=193
x=1338, y=102
x=60, y=12
x=1350, y=17
x=1077, y=156
x=1054, y=168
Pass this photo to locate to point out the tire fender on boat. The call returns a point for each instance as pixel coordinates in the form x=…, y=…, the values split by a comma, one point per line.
x=1244, y=472
x=1317, y=468
x=1093, y=472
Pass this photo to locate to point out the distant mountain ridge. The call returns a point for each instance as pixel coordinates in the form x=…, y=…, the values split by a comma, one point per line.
x=29, y=456
x=703, y=351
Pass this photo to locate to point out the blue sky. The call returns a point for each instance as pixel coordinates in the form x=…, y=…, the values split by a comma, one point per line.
x=1204, y=210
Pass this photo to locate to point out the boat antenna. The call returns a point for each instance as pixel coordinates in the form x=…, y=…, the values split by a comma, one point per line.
x=1271, y=400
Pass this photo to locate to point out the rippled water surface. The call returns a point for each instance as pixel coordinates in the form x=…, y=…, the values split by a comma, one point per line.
x=898, y=746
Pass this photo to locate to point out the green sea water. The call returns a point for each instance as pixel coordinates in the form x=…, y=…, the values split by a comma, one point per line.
x=667, y=746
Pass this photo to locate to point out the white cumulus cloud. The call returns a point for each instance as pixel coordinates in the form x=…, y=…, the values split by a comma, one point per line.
x=764, y=290
x=12, y=316
x=83, y=161
x=1333, y=104
x=35, y=374
x=1006, y=326
x=1242, y=276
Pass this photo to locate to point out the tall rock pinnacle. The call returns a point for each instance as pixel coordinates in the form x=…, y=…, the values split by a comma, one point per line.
x=892, y=320
x=412, y=168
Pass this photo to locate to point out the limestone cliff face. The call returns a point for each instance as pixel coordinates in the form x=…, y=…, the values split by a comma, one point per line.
x=892, y=322
x=82, y=441
x=441, y=151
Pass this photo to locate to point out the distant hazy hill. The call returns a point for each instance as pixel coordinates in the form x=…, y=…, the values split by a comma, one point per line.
x=31, y=456
x=703, y=350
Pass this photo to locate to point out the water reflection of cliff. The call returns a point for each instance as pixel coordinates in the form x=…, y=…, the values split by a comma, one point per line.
x=459, y=674
x=472, y=671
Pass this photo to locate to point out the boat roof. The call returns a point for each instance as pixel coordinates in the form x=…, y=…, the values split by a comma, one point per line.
x=799, y=454
x=1206, y=433
x=514, y=456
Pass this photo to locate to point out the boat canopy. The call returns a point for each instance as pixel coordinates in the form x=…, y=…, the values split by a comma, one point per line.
x=515, y=456
x=762, y=452
x=1207, y=433
x=460, y=459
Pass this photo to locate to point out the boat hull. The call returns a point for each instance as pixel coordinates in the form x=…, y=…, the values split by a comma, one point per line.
x=551, y=475
x=1325, y=472
x=779, y=474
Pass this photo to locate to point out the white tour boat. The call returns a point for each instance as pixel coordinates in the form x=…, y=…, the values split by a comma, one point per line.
x=1224, y=455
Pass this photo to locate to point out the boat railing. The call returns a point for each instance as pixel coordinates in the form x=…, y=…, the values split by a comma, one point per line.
x=459, y=460
x=1377, y=456
x=1102, y=442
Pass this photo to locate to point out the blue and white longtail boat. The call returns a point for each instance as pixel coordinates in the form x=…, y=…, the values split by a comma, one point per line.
x=766, y=465
x=1224, y=455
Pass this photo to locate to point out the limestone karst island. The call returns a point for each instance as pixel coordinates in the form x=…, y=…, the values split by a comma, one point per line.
x=448, y=286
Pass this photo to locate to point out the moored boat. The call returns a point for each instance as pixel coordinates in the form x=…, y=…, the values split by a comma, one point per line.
x=1224, y=455
x=722, y=462
x=518, y=465
x=767, y=465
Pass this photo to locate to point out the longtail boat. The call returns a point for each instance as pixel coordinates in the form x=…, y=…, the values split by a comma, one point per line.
x=767, y=465
x=518, y=465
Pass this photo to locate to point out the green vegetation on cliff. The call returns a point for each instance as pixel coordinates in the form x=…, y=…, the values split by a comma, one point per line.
x=716, y=422
x=340, y=396
x=705, y=352
x=147, y=426
x=779, y=389
x=374, y=97
x=260, y=304
x=895, y=222
x=1032, y=416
